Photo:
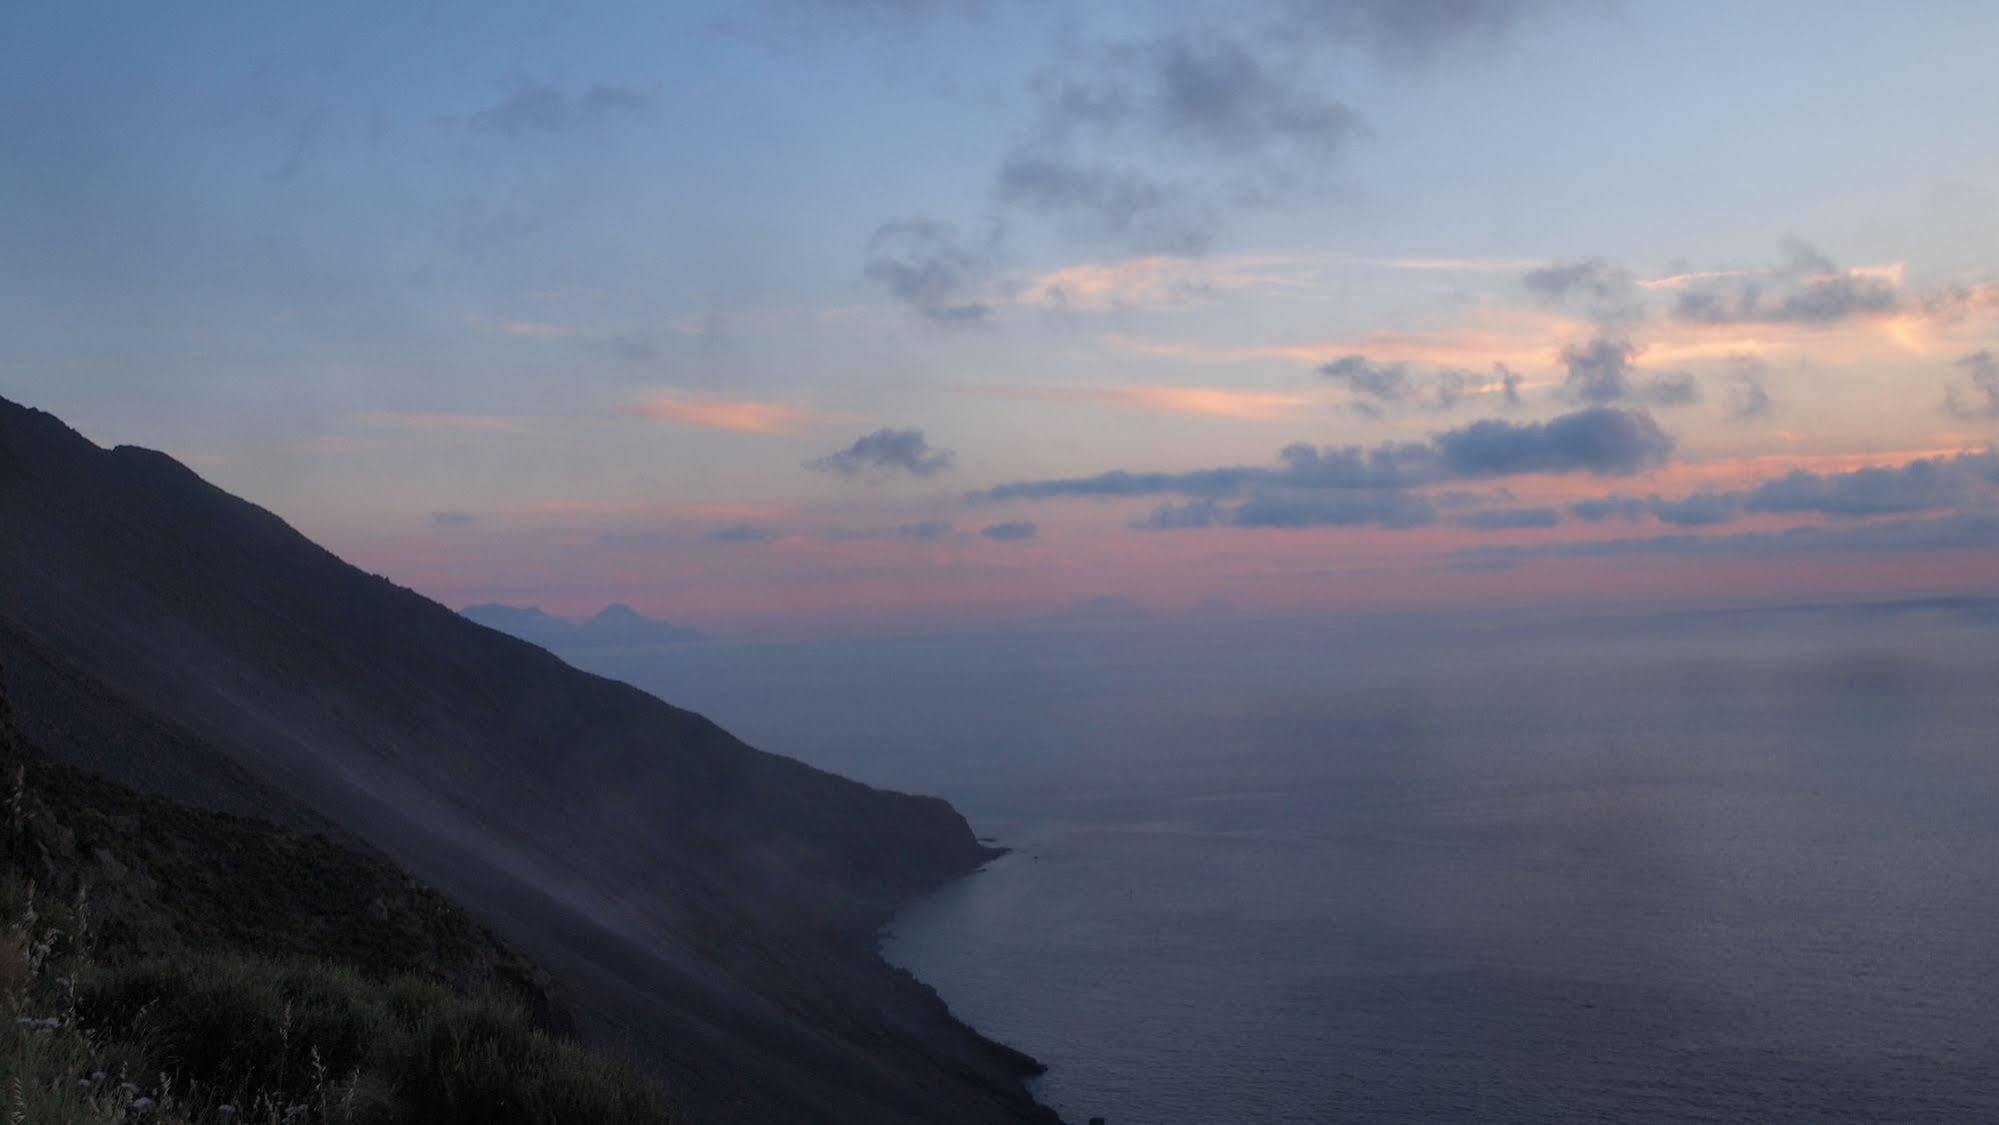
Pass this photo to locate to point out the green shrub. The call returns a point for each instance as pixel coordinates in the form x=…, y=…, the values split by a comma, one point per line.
x=359, y=1050
x=174, y=1041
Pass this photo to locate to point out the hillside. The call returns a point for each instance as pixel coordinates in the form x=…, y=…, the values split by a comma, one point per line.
x=208, y=960
x=709, y=905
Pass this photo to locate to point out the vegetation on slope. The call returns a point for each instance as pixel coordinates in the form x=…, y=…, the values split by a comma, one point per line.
x=165, y=963
x=233, y=1037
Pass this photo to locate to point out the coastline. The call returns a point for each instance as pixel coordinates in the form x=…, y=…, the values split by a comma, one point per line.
x=1023, y=1065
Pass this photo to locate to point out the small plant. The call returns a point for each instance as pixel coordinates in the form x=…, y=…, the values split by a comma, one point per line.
x=233, y=1038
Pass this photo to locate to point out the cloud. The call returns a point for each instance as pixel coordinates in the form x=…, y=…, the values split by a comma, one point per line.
x=1509, y=519
x=1918, y=486
x=1386, y=508
x=1600, y=370
x=1808, y=289
x=1205, y=119
x=1601, y=441
x=1592, y=277
x=1697, y=510
x=745, y=533
x=744, y=416
x=1379, y=382
x=930, y=267
x=1012, y=531
x=1408, y=33
x=1822, y=301
x=887, y=451
x=1923, y=485
x=533, y=108
x=1151, y=214
x=1376, y=387
x=1983, y=399
x=1748, y=398
x=921, y=531
x=453, y=519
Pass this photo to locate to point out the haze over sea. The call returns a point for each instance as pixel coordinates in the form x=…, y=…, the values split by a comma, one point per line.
x=1709, y=866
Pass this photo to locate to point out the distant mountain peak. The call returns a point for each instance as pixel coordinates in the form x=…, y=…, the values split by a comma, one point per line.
x=1107, y=607
x=615, y=624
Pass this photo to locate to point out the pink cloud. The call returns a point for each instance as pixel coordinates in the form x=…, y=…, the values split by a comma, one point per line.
x=743, y=416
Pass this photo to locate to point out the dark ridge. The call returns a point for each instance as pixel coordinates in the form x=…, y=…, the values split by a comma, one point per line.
x=706, y=904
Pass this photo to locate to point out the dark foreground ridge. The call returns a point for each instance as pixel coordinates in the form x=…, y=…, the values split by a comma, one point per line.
x=704, y=905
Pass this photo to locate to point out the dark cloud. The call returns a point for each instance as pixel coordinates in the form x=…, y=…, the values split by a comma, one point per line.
x=887, y=451
x=1170, y=517
x=1822, y=301
x=922, y=531
x=1151, y=214
x=453, y=519
x=1802, y=259
x=1915, y=487
x=1509, y=519
x=1698, y=510
x=1982, y=401
x=1600, y=370
x=744, y=533
x=1388, y=508
x=1213, y=92
x=1205, y=119
x=1806, y=288
x=1369, y=381
x=1601, y=441
x=533, y=108
x=931, y=268
x=1929, y=484
x=1606, y=292
x=1671, y=388
x=1290, y=509
x=1591, y=277
x=1748, y=398
x=1409, y=33
x=1012, y=531
x=1598, y=509
x=1151, y=139
x=1375, y=387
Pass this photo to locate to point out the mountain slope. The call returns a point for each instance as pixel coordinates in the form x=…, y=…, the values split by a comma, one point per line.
x=707, y=904
x=164, y=879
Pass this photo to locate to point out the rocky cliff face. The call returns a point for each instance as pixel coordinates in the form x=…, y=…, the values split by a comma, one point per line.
x=706, y=904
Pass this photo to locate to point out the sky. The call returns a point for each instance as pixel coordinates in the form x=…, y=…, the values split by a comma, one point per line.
x=845, y=314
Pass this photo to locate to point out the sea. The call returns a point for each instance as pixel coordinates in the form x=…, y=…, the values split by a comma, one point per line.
x=1734, y=865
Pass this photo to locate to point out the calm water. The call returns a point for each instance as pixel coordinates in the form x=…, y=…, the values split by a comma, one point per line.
x=1717, y=867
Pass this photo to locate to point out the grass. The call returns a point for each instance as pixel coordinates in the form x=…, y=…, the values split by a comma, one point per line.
x=241, y=1038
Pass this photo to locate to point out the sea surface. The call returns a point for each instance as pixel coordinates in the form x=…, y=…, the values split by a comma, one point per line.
x=1731, y=866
